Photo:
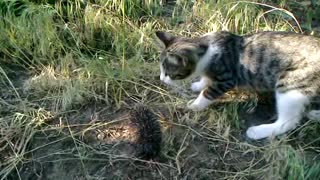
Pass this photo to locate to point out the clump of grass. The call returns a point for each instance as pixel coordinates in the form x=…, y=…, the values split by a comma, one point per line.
x=17, y=131
x=241, y=17
x=287, y=162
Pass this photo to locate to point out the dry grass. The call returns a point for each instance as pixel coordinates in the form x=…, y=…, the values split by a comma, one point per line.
x=69, y=69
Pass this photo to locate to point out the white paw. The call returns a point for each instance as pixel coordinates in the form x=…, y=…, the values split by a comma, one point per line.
x=255, y=132
x=197, y=86
x=195, y=105
x=314, y=115
x=200, y=103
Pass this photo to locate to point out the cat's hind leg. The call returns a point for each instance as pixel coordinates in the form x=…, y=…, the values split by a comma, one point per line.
x=290, y=108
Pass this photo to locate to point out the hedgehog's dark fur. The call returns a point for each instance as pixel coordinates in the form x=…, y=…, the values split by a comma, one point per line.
x=148, y=141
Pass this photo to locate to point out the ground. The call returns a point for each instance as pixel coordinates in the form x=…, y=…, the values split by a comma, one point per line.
x=69, y=73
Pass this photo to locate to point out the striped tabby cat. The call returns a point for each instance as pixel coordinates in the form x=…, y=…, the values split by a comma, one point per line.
x=284, y=62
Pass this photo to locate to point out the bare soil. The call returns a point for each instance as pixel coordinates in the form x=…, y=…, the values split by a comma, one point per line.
x=78, y=148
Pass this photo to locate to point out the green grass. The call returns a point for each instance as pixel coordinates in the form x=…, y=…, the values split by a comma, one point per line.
x=67, y=68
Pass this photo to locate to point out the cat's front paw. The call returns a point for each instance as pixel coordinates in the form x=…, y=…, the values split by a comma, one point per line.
x=197, y=86
x=200, y=103
x=195, y=105
x=255, y=133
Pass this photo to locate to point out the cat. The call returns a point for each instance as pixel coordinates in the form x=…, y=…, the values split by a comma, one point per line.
x=286, y=63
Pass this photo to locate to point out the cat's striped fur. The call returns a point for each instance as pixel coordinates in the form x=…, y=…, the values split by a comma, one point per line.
x=284, y=62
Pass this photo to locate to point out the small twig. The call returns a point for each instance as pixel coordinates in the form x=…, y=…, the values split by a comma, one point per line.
x=181, y=149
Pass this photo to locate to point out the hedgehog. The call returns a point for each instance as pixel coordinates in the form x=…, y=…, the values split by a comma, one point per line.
x=148, y=132
x=137, y=135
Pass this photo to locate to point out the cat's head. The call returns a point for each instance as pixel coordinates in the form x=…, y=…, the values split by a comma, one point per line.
x=179, y=57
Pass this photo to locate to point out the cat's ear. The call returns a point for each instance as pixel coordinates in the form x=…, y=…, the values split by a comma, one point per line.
x=199, y=50
x=165, y=37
